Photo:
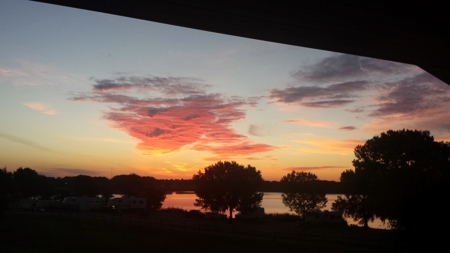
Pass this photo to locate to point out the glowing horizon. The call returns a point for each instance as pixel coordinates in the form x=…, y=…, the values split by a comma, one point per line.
x=97, y=94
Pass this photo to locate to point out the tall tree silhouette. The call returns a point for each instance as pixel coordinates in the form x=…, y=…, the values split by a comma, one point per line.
x=302, y=194
x=26, y=182
x=228, y=186
x=404, y=173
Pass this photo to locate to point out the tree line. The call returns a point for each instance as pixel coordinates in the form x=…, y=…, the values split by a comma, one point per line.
x=399, y=177
x=26, y=183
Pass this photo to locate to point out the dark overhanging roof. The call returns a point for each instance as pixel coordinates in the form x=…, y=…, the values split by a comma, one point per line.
x=401, y=31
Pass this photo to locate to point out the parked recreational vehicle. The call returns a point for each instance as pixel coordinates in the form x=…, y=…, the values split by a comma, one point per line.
x=23, y=205
x=48, y=204
x=127, y=203
x=83, y=203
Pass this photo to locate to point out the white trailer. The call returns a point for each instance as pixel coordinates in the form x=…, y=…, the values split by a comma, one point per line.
x=127, y=203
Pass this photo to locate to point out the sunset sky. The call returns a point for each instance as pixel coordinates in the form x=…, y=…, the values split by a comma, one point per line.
x=100, y=95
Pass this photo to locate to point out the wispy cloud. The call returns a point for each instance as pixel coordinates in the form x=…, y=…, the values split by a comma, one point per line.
x=306, y=122
x=42, y=107
x=412, y=95
x=417, y=102
x=333, y=95
x=12, y=72
x=329, y=146
x=339, y=80
x=25, y=142
x=344, y=67
x=164, y=85
x=257, y=130
x=167, y=114
x=313, y=168
x=347, y=128
x=267, y=158
x=38, y=74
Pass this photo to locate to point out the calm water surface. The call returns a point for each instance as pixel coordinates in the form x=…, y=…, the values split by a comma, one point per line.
x=272, y=203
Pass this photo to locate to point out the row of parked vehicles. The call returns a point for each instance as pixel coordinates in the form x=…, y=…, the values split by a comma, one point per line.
x=84, y=204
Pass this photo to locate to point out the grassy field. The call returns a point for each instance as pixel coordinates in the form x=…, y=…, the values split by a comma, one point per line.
x=45, y=233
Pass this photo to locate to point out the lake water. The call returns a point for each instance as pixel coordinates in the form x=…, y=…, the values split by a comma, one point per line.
x=272, y=203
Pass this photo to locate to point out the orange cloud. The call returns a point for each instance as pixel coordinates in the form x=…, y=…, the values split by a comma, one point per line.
x=309, y=122
x=234, y=149
x=44, y=108
x=271, y=158
x=330, y=146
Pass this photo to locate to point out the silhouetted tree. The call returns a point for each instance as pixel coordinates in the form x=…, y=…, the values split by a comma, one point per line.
x=82, y=185
x=302, y=194
x=104, y=187
x=409, y=173
x=127, y=184
x=26, y=182
x=356, y=202
x=47, y=187
x=228, y=186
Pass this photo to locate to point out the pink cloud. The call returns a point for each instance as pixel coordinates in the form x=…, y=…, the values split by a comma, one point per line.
x=174, y=115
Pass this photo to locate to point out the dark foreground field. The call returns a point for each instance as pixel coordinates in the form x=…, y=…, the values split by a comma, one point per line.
x=84, y=233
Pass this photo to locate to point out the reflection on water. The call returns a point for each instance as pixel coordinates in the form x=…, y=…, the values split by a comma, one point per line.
x=272, y=203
